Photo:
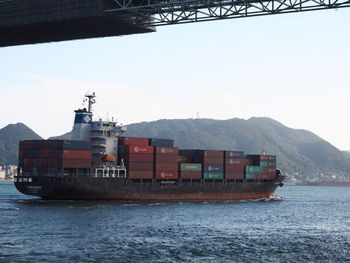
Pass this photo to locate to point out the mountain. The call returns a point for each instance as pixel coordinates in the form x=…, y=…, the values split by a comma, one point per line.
x=297, y=150
x=346, y=153
x=9, y=138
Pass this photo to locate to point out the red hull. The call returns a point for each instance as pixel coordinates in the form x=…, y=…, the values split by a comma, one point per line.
x=184, y=197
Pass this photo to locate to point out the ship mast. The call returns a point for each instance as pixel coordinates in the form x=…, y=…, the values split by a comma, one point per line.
x=91, y=100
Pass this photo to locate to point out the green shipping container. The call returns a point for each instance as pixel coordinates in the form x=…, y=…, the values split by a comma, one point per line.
x=264, y=163
x=254, y=169
x=249, y=175
x=191, y=167
x=213, y=175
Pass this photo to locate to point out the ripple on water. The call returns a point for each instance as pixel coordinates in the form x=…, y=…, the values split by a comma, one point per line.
x=307, y=224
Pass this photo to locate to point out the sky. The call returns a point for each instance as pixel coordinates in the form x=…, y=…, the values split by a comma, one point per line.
x=293, y=68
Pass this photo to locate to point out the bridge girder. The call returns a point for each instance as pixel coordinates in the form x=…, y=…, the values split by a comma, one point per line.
x=159, y=13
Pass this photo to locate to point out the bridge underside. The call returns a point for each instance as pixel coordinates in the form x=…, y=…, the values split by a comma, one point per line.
x=40, y=21
x=82, y=28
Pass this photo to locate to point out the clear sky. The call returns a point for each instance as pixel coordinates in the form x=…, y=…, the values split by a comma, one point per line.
x=293, y=68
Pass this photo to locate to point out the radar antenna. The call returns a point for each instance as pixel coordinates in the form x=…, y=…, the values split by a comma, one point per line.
x=91, y=100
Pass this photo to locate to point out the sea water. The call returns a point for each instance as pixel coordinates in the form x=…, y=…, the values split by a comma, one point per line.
x=309, y=224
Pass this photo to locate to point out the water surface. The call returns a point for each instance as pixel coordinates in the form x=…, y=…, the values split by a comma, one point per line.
x=312, y=224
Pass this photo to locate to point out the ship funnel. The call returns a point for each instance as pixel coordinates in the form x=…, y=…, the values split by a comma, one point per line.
x=83, y=120
x=82, y=125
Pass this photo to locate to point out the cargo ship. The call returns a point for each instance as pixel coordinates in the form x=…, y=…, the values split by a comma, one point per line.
x=95, y=162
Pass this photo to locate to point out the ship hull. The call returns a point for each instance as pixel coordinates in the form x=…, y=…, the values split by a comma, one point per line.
x=82, y=188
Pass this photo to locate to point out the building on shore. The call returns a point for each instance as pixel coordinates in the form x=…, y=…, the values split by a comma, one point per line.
x=8, y=172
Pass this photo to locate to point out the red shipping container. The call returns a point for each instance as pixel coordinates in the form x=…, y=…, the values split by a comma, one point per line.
x=190, y=175
x=184, y=159
x=166, y=150
x=269, y=170
x=139, y=149
x=134, y=141
x=247, y=162
x=233, y=175
x=74, y=163
x=213, y=154
x=263, y=176
x=51, y=153
x=162, y=174
x=140, y=166
x=44, y=153
x=234, y=168
x=52, y=162
x=140, y=174
x=37, y=162
x=27, y=162
x=167, y=166
x=137, y=157
x=262, y=157
x=74, y=154
x=165, y=158
x=234, y=161
x=210, y=160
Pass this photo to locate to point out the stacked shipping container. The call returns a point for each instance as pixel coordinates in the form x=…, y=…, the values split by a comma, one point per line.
x=235, y=162
x=213, y=164
x=138, y=157
x=191, y=171
x=146, y=158
x=166, y=162
x=264, y=167
x=48, y=157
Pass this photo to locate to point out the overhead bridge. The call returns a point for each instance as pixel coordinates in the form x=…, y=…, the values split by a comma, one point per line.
x=40, y=21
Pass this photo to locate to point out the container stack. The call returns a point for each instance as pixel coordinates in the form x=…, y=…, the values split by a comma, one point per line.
x=191, y=171
x=213, y=164
x=137, y=156
x=166, y=162
x=234, y=165
x=146, y=158
x=48, y=157
x=264, y=169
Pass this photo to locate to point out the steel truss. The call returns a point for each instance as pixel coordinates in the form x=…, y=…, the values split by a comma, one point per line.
x=158, y=13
